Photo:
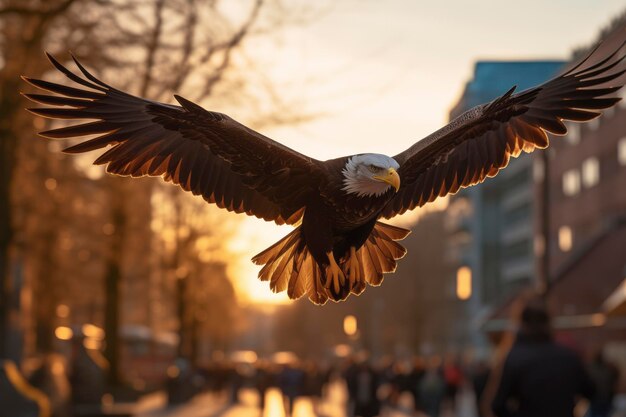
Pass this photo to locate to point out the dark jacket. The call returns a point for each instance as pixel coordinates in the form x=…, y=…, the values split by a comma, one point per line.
x=540, y=379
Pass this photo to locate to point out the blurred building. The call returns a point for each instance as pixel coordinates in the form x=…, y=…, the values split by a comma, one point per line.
x=587, y=226
x=491, y=226
x=586, y=218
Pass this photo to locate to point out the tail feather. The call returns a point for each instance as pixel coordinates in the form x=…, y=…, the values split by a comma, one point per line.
x=373, y=270
x=288, y=265
x=276, y=249
x=300, y=274
x=280, y=276
x=379, y=253
x=391, y=232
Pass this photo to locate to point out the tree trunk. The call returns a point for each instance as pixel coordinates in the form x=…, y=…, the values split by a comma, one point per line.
x=112, y=282
x=8, y=145
x=18, y=55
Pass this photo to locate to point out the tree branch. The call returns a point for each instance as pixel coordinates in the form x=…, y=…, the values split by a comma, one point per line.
x=228, y=48
x=152, y=47
x=47, y=13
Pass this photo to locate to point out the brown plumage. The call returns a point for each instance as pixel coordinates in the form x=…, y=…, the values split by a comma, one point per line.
x=340, y=246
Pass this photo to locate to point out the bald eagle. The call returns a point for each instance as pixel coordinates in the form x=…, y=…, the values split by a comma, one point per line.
x=338, y=245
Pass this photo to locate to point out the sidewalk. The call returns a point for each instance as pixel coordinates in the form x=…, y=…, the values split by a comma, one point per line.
x=203, y=405
x=209, y=405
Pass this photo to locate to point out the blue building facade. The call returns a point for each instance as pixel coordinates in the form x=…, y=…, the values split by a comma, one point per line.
x=491, y=227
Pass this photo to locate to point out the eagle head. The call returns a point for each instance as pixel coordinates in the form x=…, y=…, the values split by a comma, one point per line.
x=370, y=174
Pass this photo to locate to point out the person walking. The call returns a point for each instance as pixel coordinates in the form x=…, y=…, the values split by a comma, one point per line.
x=480, y=378
x=432, y=389
x=366, y=402
x=605, y=377
x=539, y=378
x=291, y=383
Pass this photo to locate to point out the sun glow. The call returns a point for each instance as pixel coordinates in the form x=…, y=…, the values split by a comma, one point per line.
x=254, y=237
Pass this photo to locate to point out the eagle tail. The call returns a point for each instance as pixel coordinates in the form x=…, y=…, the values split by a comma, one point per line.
x=288, y=265
x=378, y=255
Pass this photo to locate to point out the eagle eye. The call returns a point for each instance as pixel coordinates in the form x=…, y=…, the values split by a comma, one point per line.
x=374, y=168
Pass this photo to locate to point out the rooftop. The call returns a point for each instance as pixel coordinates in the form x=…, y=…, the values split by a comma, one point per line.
x=493, y=78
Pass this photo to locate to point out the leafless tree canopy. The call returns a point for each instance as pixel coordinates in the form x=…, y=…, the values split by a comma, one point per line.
x=95, y=243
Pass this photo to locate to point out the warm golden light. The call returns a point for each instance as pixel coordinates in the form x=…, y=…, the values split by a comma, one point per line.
x=92, y=331
x=350, y=325
x=63, y=333
x=342, y=350
x=244, y=356
x=464, y=283
x=63, y=311
x=566, y=238
x=284, y=358
x=94, y=344
x=255, y=236
x=598, y=319
x=58, y=368
x=274, y=406
x=51, y=184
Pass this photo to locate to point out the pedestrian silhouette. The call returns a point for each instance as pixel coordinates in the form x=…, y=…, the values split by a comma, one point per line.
x=291, y=383
x=539, y=378
x=432, y=388
x=605, y=377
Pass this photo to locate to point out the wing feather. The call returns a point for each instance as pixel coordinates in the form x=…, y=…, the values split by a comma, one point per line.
x=204, y=152
x=480, y=142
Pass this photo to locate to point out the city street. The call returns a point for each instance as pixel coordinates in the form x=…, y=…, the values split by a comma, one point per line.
x=349, y=211
x=209, y=405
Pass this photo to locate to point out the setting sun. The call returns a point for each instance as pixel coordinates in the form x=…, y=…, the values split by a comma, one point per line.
x=253, y=236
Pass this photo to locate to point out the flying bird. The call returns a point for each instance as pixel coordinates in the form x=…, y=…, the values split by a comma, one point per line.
x=338, y=244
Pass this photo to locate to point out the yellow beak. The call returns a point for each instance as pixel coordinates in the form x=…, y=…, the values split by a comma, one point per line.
x=391, y=177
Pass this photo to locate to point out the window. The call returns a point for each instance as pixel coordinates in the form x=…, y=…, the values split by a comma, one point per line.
x=621, y=151
x=571, y=182
x=350, y=325
x=566, y=238
x=464, y=283
x=521, y=213
x=591, y=172
x=517, y=251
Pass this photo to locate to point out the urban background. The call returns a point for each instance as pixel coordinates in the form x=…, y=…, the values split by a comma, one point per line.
x=121, y=297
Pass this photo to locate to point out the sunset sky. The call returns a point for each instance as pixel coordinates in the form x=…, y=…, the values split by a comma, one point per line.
x=385, y=74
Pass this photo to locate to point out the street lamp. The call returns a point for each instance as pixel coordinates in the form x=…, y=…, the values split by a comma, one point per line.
x=464, y=283
x=350, y=325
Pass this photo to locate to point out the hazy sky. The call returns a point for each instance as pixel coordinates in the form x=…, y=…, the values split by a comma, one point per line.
x=386, y=73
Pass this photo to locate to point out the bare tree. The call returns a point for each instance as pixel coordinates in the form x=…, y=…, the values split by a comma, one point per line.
x=152, y=48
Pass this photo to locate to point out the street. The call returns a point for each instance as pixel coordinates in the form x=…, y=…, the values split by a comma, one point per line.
x=210, y=405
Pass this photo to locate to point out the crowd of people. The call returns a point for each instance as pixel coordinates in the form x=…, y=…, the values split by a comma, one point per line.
x=538, y=377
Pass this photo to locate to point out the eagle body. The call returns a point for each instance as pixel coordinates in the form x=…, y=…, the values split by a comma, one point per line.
x=335, y=221
x=339, y=244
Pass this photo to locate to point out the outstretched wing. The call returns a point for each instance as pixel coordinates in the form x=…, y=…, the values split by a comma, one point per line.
x=204, y=152
x=480, y=142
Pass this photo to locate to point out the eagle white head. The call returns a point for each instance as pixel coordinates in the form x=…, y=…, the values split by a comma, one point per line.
x=370, y=174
